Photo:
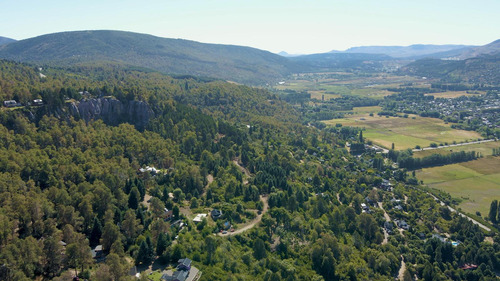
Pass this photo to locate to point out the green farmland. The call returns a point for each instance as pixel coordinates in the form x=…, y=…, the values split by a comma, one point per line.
x=404, y=132
x=476, y=182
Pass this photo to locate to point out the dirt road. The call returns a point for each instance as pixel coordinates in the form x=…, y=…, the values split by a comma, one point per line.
x=253, y=222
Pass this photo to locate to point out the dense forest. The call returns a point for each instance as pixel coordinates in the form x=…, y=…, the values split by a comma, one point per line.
x=71, y=180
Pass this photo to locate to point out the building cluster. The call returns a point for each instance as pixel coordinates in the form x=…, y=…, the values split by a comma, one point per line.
x=481, y=109
x=14, y=103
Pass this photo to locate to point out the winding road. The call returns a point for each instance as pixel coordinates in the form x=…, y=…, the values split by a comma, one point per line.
x=387, y=219
x=252, y=223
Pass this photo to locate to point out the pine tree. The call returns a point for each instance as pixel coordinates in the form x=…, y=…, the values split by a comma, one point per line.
x=493, y=211
x=133, y=198
x=161, y=244
x=151, y=248
x=96, y=233
x=143, y=254
x=259, y=249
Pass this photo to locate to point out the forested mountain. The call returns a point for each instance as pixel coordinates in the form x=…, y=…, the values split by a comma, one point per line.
x=483, y=69
x=492, y=48
x=174, y=56
x=475, y=65
x=297, y=199
x=341, y=61
x=5, y=40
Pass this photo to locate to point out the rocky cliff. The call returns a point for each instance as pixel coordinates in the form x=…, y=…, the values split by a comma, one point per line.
x=113, y=111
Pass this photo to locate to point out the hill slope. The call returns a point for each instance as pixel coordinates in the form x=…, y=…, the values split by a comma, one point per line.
x=492, y=48
x=341, y=61
x=176, y=56
x=5, y=40
x=470, y=65
x=482, y=69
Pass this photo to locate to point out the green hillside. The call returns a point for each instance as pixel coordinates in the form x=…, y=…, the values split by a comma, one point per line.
x=341, y=61
x=483, y=69
x=72, y=177
x=173, y=56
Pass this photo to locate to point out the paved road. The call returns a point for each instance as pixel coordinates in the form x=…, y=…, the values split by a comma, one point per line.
x=453, y=145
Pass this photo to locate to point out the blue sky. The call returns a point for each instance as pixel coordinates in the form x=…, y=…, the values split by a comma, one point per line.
x=294, y=26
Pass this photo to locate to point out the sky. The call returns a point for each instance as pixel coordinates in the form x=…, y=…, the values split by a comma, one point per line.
x=297, y=27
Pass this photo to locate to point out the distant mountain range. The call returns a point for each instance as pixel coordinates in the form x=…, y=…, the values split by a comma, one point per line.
x=5, y=40
x=244, y=64
x=413, y=51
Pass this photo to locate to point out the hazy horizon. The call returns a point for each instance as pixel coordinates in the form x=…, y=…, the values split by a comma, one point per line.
x=291, y=26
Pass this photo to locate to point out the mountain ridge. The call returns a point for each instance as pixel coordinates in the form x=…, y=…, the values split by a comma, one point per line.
x=411, y=51
x=5, y=40
x=173, y=56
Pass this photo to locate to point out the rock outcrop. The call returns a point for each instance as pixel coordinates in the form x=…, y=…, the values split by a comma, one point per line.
x=113, y=111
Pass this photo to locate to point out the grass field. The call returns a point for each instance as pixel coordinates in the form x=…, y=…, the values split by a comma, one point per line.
x=476, y=182
x=335, y=84
x=404, y=132
x=452, y=94
x=486, y=149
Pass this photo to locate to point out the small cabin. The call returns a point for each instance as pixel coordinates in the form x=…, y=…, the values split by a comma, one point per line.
x=10, y=103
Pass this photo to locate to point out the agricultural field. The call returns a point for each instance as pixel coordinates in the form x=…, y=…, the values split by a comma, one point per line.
x=476, y=182
x=333, y=85
x=404, y=132
x=485, y=149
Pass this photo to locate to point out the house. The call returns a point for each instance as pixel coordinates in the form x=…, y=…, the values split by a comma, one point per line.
x=37, y=102
x=167, y=214
x=468, y=266
x=365, y=208
x=97, y=252
x=184, y=264
x=10, y=103
x=182, y=273
x=402, y=224
x=441, y=238
x=152, y=170
x=179, y=275
x=370, y=201
x=388, y=227
x=386, y=185
x=216, y=214
x=199, y=218
x=177, y=223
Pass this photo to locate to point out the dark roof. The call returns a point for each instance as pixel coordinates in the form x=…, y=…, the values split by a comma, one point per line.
x=216, y=213
x=179, y=275
x=184, y=262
